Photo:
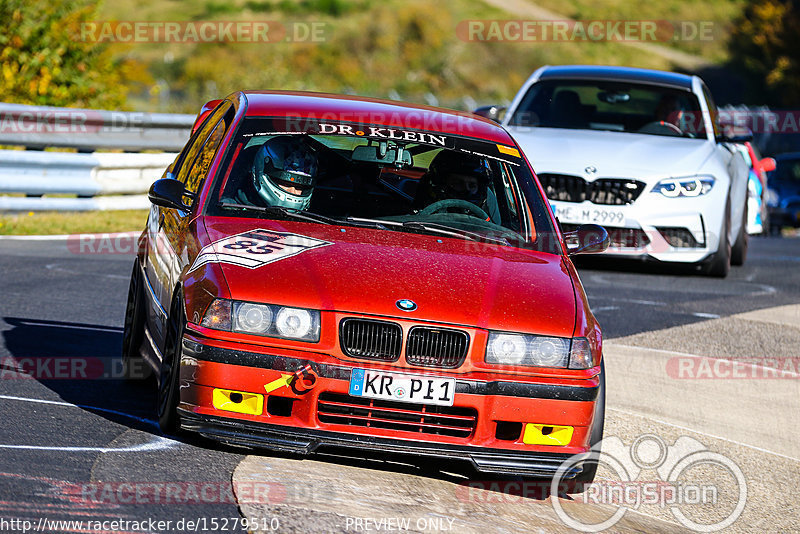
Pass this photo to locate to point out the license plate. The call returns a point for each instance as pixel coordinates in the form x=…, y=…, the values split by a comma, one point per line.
x=588, y=214
x=404, y=388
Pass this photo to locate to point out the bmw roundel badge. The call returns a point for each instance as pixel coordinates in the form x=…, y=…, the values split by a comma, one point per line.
x=406, y=305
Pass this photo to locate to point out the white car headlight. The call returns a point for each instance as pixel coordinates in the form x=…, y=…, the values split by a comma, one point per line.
x=509, y=349
x=539, y=351
x=693, y=186
x=294, y=322
x=263, y=319
x=252, y=318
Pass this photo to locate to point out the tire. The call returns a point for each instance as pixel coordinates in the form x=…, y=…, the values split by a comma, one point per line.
x=133, y=367
x=721, y=262
x=586, y=476
x=739, y=249
x=169, y=377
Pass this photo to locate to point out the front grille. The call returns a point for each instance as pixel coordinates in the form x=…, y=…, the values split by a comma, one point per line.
x=371, y=340
x=608, y=191
x=628, y=237
x=436, y=347
x=614, y=191
x=679, y=237
x=335, y=408
x=563, y=187
x=618, y=237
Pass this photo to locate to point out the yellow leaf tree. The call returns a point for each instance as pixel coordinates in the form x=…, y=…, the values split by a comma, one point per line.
x=764, y=46
x=44, y=61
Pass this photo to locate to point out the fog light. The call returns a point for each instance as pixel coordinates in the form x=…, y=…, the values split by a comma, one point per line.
x=547, y=435
x=238, y=401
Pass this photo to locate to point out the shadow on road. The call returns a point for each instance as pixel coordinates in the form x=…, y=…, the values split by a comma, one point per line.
x=80, y=363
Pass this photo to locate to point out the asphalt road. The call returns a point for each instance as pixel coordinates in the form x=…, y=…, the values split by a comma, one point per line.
x=85, y=447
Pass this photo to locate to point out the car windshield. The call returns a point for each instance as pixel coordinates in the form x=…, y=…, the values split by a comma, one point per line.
x=613, y=106
x=387, y=178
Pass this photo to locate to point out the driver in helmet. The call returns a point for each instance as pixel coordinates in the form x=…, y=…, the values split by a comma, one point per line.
x=284, y=172
x=454, y=175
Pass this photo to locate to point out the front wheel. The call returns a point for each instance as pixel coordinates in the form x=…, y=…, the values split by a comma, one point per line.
x=721, y=263
x=169, y=377
x=739, y=249
x=133, y=366
x=586, y=476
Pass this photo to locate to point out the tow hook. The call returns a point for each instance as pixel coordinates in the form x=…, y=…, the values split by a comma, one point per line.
x=304, y=379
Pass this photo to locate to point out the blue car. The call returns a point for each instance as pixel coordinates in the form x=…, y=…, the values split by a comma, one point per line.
x=783, y=196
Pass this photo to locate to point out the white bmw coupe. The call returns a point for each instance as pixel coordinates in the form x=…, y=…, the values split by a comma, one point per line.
x=640, y=152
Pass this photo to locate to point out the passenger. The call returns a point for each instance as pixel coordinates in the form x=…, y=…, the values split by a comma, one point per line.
x=454, y=175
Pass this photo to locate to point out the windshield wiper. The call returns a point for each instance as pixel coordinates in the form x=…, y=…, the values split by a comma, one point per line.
x=309, y=216
x=367, y=223
x=449, y=230
x=288, y=212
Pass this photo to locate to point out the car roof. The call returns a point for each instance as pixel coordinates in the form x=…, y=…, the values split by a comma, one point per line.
x=627, y=74
x=373, y=111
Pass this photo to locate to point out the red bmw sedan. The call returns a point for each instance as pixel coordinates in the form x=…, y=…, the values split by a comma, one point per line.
x=331, y=271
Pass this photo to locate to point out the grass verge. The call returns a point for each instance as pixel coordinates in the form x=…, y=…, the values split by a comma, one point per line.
x=56, y=223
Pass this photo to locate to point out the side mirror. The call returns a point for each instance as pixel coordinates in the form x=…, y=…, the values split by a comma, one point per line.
x=168, y=193
x=590, y=238
x=768, y=164
x=494, y=113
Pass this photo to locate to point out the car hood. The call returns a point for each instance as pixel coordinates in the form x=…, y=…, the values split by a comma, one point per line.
x=613, y=154
x=366, y=271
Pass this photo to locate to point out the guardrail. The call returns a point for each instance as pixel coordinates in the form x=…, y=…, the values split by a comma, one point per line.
x=86, y=179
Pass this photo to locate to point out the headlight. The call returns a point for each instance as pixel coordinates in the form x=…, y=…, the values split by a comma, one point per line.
x=263, y=320
x=294, y=322
x=252, y=318
x=538, y=351
x=693, y=186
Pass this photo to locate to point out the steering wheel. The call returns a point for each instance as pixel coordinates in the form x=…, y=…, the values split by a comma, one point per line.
x=444, y=205
x=657, y=127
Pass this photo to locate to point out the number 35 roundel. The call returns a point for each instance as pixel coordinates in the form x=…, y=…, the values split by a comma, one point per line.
x=255, y=248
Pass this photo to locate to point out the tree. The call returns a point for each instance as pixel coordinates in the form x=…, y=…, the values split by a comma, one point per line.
x=764, y=47
x=43, y=59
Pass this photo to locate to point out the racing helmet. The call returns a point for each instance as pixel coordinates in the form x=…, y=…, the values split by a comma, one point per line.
x=285, y=171
x=458, y=175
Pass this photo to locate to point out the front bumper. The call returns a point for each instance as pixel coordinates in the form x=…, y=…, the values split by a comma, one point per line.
x=307, y=441
x=207, y=365
x=684, y=230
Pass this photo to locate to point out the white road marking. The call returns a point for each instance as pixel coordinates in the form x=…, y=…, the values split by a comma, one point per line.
x=30, y=322
x=706, y=315
x=158, y=443
x=55, y=268
x=604, y=308
x=632, y=301
x=65, y=237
